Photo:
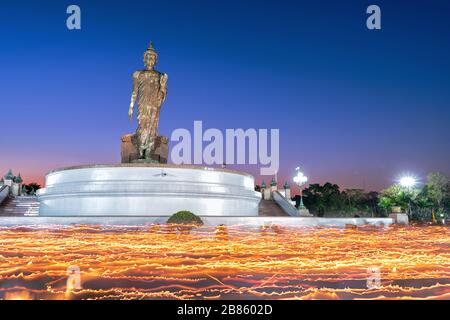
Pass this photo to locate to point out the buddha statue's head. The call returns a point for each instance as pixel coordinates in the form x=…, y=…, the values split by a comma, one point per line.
x=150, y=57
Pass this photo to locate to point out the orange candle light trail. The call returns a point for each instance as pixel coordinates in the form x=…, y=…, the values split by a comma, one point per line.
x=174, y=262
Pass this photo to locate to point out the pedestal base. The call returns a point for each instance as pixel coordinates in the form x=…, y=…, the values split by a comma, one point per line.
x=147, y=190
x=130, y=152
x=400, y=218
x=303, y=212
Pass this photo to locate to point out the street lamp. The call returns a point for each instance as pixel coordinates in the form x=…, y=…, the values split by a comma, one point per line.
x=408, y=183
x=300, y=179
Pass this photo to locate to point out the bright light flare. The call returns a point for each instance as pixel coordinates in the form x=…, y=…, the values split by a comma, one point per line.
x=300, y=179
x=408, y=182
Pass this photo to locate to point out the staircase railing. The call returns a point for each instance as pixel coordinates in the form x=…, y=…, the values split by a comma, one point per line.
x=285, y=204
x=4, y=193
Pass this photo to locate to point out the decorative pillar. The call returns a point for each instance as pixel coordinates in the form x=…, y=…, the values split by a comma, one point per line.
x=8, y=179
x=266, y=192
x=15, y=189
x=273, y=187
x=263, y=189
x=19, y=181
x=287, y=191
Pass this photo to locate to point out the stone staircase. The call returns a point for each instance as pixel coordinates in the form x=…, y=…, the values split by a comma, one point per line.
x=20, y=206
x=269, y=208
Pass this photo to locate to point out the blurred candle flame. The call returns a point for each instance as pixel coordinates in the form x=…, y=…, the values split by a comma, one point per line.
x=187, y=262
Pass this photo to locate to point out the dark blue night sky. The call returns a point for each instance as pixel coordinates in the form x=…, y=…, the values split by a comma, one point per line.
x=353, y=106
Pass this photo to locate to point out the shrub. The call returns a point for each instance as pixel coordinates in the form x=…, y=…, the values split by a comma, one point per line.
x=185, y=217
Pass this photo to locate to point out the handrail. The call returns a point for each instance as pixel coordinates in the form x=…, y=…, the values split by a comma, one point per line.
x=4, y=193
x=285, y=204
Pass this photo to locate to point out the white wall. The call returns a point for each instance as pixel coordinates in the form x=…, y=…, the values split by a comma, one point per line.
x=147, y=190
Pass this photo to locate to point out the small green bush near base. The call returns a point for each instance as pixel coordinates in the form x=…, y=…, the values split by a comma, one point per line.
x=185, y=217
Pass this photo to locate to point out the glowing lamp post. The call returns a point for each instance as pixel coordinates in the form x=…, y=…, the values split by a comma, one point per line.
x=300, y=179
x=408, y=183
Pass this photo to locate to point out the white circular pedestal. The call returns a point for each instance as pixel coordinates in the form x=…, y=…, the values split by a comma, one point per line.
x=147, y=190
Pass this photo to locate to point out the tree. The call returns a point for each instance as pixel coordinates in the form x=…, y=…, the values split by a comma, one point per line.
x=371, y=202
x=435, y=195
x=423, y=205
x=439, y=190
x=313, y=199
x=185, y=217
x=321, y=199
x=32, y=187
x=386, y=203
x=397, y=196
x=423, y=199
x=353, y=199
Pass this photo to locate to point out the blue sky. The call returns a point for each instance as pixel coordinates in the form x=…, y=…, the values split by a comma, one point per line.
x=353, y=106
